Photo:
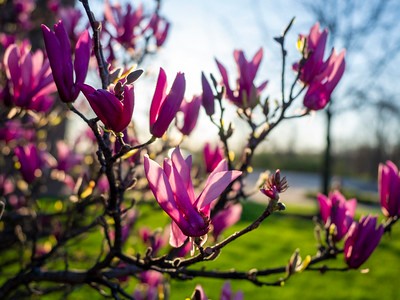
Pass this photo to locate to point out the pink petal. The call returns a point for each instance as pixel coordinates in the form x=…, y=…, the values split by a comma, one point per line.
x=325, y=207
x=128, y=105
x=225, y=79
x=159, y=95
x=226, y=218
x=169, y=106
x=159, y=185
x=183, y=167
x=176, y=238
x=216, y=184
x=82, y=56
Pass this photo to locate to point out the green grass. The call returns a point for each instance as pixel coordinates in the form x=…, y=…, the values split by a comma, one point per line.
x=271, y=245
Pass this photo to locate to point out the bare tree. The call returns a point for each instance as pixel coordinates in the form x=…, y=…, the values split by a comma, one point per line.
x=369, y=32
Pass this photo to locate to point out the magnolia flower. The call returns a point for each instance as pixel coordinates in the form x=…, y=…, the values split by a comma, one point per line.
x=30, y=162
x=228, y=294
x=70, y=17
x=321, y=77
x=67, y=77
x=174, y=192
x=361, y=241
x=314, y=51
x=246, y=93
x=7, y=40
x=103, y=185
x=22, y=11
x=160, y=27
x=190, y=112
x=207, y=96
x=226, y=218
x=212, y=157
x=113, y=109
x=151, y=282
x=389, y=189
x=29, y=78
x=66, y=158
x=6, y=185
x=14, y=130
x=123, y=23
x=337, y=211
x=155, y=239
x=164, y=107
x=320, y=90
x=275, y=185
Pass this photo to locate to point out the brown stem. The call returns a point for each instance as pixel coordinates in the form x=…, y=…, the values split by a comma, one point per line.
x=98, y=49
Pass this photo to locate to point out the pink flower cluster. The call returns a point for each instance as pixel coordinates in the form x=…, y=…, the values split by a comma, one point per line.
x=320, y=76
x=389, y=189
x=246, y=94
x=361, y=238
x=29, y=78
x=173, y=189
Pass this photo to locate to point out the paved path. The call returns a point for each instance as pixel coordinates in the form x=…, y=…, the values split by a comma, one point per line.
x=301, y=184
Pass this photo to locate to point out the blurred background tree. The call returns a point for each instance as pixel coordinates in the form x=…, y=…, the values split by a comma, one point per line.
x=369, y=32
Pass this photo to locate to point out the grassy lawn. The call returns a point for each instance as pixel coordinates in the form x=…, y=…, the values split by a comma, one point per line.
x=281, y=236
x=271, y=246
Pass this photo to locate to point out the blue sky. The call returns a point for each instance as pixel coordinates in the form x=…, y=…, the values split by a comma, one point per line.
x=203, y=30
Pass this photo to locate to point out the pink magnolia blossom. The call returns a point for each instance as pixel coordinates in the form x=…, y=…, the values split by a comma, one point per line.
x=66, y=158
x=246, y=93
x=7, y=40
x=113, y=109
x=314, y=51
x=226, y=218
x=212, y=157
x=151, y=280
x=207, y=96
x=165, y=106
x=361, y=241
x=336, y=210
x=185, y=249
x=123, y=23
x=155, y=239
x=190, y=112
x=53, y=5
x=13, y=130
x=389, y=189
x=275, y=185
x=174, y=192
x=23, y=11
x=102, y=184
x=320, y=90
x=30, y=160
x=67, y=76
x=160, y=28
x=6, y=185
x=70, y=17
x=29, y=78
x=228, y=294
x=321, y=76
